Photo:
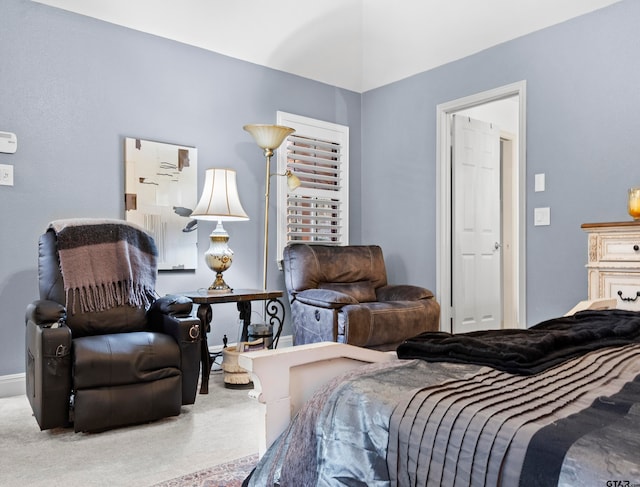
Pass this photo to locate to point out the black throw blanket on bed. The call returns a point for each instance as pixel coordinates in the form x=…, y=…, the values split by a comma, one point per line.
x=532, y=350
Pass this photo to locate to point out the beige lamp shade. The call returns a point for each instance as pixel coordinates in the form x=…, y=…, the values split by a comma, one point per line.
x=268, y=136
x=220, y=200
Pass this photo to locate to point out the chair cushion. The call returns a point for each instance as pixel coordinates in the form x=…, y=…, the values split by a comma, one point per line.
x=121, y=319
x=103, y=408
x=124, y=358
x=361, y=291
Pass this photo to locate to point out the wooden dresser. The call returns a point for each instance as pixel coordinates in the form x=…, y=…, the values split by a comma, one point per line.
x=614, y=262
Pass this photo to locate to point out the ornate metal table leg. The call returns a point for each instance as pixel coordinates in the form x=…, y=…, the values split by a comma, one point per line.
x=244, y=310
x=205, y=314
x=275, y=314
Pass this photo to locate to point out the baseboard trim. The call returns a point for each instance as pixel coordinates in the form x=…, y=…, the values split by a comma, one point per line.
x=15, y=384
x=12, y=385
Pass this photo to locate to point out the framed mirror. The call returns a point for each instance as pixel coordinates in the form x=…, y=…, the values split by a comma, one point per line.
x=161, y=184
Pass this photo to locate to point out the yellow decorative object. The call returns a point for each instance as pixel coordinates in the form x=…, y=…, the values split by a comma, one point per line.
x=634, y=203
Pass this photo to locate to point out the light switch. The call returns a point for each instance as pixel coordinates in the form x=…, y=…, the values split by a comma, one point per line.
x=6, y=175
x=539, y=182
x=542, y=216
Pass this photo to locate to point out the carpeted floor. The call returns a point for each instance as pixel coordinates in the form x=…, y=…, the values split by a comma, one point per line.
x=218, y=428
x=230, y=474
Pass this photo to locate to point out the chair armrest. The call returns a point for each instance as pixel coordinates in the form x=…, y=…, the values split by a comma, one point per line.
x=44, y=312
x=402, y=292
x=48, y=363
x=171, y=315
x=172, y=304
x=324, y=298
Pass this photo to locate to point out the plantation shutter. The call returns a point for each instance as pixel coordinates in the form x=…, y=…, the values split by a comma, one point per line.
x=317, y=211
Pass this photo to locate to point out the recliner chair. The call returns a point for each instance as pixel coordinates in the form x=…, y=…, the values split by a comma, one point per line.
x=106, y=354
x=341, y=294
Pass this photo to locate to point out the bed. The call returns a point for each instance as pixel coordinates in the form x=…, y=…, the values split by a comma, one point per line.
x=558, y=404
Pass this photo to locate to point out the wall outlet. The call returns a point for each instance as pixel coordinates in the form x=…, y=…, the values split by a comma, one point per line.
x=6, y=175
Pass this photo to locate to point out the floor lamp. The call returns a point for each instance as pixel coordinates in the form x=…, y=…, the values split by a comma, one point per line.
x=269, y=138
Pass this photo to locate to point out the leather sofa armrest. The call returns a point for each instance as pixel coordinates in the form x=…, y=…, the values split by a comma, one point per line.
x=324, y=298
x=44, y=312
x=403, y=292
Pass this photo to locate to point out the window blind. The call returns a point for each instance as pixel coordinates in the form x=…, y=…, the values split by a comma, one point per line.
x=317, y=211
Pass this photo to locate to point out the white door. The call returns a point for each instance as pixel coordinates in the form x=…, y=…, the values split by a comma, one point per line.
x=476, y=241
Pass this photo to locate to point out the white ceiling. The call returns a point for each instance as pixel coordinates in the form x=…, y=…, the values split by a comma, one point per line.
x=353, y=44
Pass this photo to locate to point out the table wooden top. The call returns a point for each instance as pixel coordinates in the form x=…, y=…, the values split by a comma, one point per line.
x=204, y=296
x=629, y=223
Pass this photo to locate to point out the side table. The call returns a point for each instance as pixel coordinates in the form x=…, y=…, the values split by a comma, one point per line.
x=243, y=297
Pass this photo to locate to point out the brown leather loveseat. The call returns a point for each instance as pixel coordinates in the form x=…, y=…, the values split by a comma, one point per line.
x=341, y=294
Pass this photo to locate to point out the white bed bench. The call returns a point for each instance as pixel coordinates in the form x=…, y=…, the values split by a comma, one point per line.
x=285, y=379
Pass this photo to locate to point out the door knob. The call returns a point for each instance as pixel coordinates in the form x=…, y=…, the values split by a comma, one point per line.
x=497, y=246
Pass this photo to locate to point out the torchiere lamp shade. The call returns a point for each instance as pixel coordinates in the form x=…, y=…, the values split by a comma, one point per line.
x=268, y=137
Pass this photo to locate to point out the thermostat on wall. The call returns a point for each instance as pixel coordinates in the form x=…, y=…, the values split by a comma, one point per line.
x=8, y=142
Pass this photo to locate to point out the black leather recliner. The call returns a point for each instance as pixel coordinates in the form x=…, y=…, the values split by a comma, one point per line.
x=100, y=369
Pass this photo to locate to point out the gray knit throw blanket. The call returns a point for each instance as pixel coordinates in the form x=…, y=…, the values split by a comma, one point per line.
x=105, y=264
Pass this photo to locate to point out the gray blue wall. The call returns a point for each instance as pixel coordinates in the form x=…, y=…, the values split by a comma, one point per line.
x=72, y=88
x=583, y=132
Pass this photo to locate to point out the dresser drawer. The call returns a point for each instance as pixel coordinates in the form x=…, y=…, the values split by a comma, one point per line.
x=619, y=248
x=624, y=287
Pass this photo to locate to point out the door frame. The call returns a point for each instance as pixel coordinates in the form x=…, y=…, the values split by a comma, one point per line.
x=444, y=203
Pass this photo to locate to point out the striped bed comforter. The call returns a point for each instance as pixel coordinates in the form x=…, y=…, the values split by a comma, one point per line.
x=496, y=428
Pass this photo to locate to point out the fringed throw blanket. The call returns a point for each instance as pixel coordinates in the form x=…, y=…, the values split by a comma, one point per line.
x=105, y=263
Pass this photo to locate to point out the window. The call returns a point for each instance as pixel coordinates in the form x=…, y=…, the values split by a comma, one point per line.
x=318, y=211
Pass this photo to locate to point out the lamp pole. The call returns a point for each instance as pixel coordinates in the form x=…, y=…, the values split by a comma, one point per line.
x=267, y=154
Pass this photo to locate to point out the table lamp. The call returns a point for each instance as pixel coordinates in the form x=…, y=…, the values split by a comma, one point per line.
x=219, y=202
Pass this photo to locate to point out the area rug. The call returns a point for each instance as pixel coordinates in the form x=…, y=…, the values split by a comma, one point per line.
x=230, y=474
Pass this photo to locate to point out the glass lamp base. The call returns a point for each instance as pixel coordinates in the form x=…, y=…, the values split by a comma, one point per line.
x=219, y=257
